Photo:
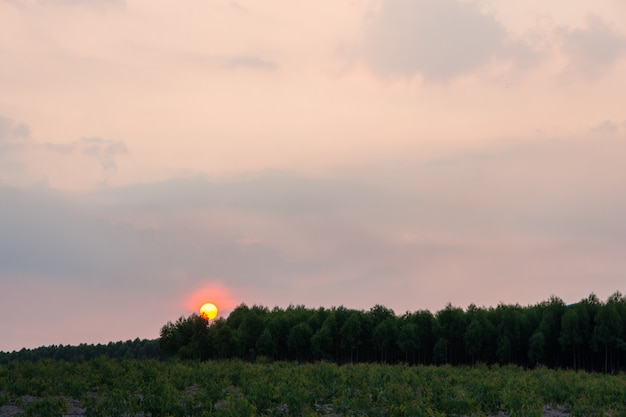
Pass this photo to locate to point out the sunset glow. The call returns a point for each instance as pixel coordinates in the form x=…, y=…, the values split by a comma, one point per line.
x=208, y=311
x=217, y=293
x=405, y=153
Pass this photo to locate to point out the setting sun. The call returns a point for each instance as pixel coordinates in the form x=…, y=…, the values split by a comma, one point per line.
x=208, y=311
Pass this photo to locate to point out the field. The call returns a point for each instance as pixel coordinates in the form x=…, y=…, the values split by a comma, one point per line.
x=129, y=387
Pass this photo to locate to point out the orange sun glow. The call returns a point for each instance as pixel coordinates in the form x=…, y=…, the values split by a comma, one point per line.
x=208, y=311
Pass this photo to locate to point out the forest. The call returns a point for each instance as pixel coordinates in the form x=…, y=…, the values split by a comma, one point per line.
x=136, y=349
x=588, y=335
x=506, y=360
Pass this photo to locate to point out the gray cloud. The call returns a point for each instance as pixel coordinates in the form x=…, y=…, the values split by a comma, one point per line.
x=439, y=39
x=98, y=4
x=12, y=132
x=18, y=150
x=229, y=62
x=279, y=192
x=593, y=49
x=606, y=127
x=238, y=7
x=480, y=219
x=251, y=62
x=103, y=150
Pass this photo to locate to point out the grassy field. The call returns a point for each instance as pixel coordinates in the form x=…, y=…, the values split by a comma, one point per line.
x=107, y=387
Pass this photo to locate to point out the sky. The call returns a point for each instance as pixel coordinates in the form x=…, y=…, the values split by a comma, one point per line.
x=410, y=153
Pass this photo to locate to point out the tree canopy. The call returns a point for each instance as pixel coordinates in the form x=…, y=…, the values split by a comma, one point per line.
x=587, y=335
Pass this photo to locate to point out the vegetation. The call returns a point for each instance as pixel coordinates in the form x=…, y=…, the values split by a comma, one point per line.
x=589, y=335
x=138, y=349
x=284, y=362
x=130, y=387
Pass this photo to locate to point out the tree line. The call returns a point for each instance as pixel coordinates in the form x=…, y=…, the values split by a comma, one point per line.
x=588, y=335
x=137, y=349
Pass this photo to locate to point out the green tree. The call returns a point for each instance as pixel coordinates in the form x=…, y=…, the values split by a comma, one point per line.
x=550, y=326
x=607, y=331
x=571, y=334
x=536, y=348
x=266, y=344
x=384, y=336
x=186, y=338
x=322, y=343
x=473, y=336
x=451, y=326
x=504, y=349
x=351, y=334
x=299, y=339
x=408, y=338
x=224, y=339
x=440, y=351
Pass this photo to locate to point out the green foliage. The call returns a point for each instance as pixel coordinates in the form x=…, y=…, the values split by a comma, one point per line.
x=137, y=348
x=46, y=407
x=131, y=387
x=587, y=335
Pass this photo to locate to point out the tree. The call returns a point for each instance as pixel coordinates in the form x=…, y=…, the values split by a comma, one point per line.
x=250, y=328
x=504, y=349
x=266, y=344
x=424, y=320
x=351, y=334
x=509, y=338
x=473, y=338
x=451, y=326
x=298, y=339
x=187, y=338
x=322, y=343
x=385, y=336
x=440, y=351
x=536, y=348
x=408, y=340
x=607, y=331
x=571, y=335
x=224, y=339
x=550, y=326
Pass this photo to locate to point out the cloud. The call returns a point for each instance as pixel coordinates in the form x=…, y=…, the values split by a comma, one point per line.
x=606, y=127
x=250, y=62
x=92, y=5
x=439, y=39
x=84, y=3
x=238, y=7
x=401, y=235
x=277, y=192
x=104, y=150
x=226, y=62
x=594, y=49
x=26, y=160
x=12, y=132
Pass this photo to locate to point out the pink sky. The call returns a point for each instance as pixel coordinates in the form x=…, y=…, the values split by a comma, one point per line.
x=407, y=153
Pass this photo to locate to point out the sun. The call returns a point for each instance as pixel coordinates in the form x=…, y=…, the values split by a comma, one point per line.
x=208, y=311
